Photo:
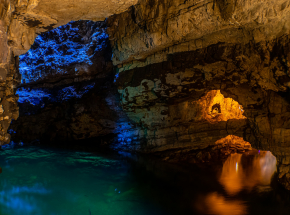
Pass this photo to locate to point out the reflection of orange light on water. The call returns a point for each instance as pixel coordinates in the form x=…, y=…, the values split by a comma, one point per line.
x=268, y=167
x=231, y=178
x=235, y=176
x=218, y=205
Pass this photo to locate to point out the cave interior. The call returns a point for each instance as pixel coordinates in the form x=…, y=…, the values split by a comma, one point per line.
x=170, y=85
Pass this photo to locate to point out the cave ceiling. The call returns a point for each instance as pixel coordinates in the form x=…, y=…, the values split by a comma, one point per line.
x=26, y=18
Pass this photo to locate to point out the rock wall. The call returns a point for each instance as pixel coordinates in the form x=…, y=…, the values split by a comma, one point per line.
x=172, y=54
x=20, y=22
x=9, y=77
x=74, y=52
x=26, y=18
x=189, y=73
x=66, y=91
x=161, y=96
x=150, y=30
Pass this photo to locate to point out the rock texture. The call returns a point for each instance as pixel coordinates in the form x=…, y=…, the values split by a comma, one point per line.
x=26, y=18
x=188, y=74
x=170, y=54
x=160, y=97
x=20, y=22
x=152, y=29
x=74, y=52
x=67, y=91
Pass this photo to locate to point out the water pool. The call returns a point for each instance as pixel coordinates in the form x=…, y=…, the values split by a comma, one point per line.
x=45, y=181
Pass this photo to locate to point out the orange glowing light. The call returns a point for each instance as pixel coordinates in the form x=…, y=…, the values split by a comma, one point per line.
x=236, y=142
x=218, y=205
x=235, y=176
x=215, y=107
x=231, y=178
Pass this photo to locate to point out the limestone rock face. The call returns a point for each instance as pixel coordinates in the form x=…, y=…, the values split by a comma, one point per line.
x=162, y=27
x=171, y=54
x=166, y=99
x=8, y=76
x=26, y=18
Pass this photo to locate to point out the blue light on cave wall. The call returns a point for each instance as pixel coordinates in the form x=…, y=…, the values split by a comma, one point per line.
x=67, y=51
x=41, y=96
x=33, y=96
x=75, y=43
x=60, y=51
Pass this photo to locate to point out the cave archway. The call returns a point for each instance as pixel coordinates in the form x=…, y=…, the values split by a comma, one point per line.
x=66, y=91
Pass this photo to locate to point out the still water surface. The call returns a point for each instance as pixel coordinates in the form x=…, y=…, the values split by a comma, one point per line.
x=44, y=181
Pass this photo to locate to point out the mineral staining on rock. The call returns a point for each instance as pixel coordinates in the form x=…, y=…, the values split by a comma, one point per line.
x=233, y=144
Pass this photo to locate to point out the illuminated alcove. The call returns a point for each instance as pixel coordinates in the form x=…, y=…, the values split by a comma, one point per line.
x=215, y=107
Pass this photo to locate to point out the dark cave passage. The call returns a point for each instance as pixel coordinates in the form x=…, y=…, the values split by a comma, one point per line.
x=66, y=91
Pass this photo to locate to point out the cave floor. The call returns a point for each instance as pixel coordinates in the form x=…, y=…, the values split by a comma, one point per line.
x=46, y=181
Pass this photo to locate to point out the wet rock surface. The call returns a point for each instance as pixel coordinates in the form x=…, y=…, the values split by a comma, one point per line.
x=187, y=74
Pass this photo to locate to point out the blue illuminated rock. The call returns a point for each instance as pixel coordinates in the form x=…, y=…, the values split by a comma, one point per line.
x=78, y=49
x=67, y=91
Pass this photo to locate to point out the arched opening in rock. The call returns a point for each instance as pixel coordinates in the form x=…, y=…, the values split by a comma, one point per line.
x=63, y=90
x=215, y=107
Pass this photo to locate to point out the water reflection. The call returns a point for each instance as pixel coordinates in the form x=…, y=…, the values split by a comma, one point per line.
x=44, y=181
x=19, y=200
x=238, y=173
x=219, y=205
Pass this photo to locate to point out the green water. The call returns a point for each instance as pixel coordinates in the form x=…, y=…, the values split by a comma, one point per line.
x=45, y=181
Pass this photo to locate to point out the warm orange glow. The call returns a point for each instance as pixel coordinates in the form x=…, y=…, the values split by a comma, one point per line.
x=232, y=177
x=234, y=142
x=218, y=205
x=215, y=107
x=235, y=177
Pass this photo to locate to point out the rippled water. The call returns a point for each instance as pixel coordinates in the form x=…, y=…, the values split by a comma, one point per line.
x=45, y=181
